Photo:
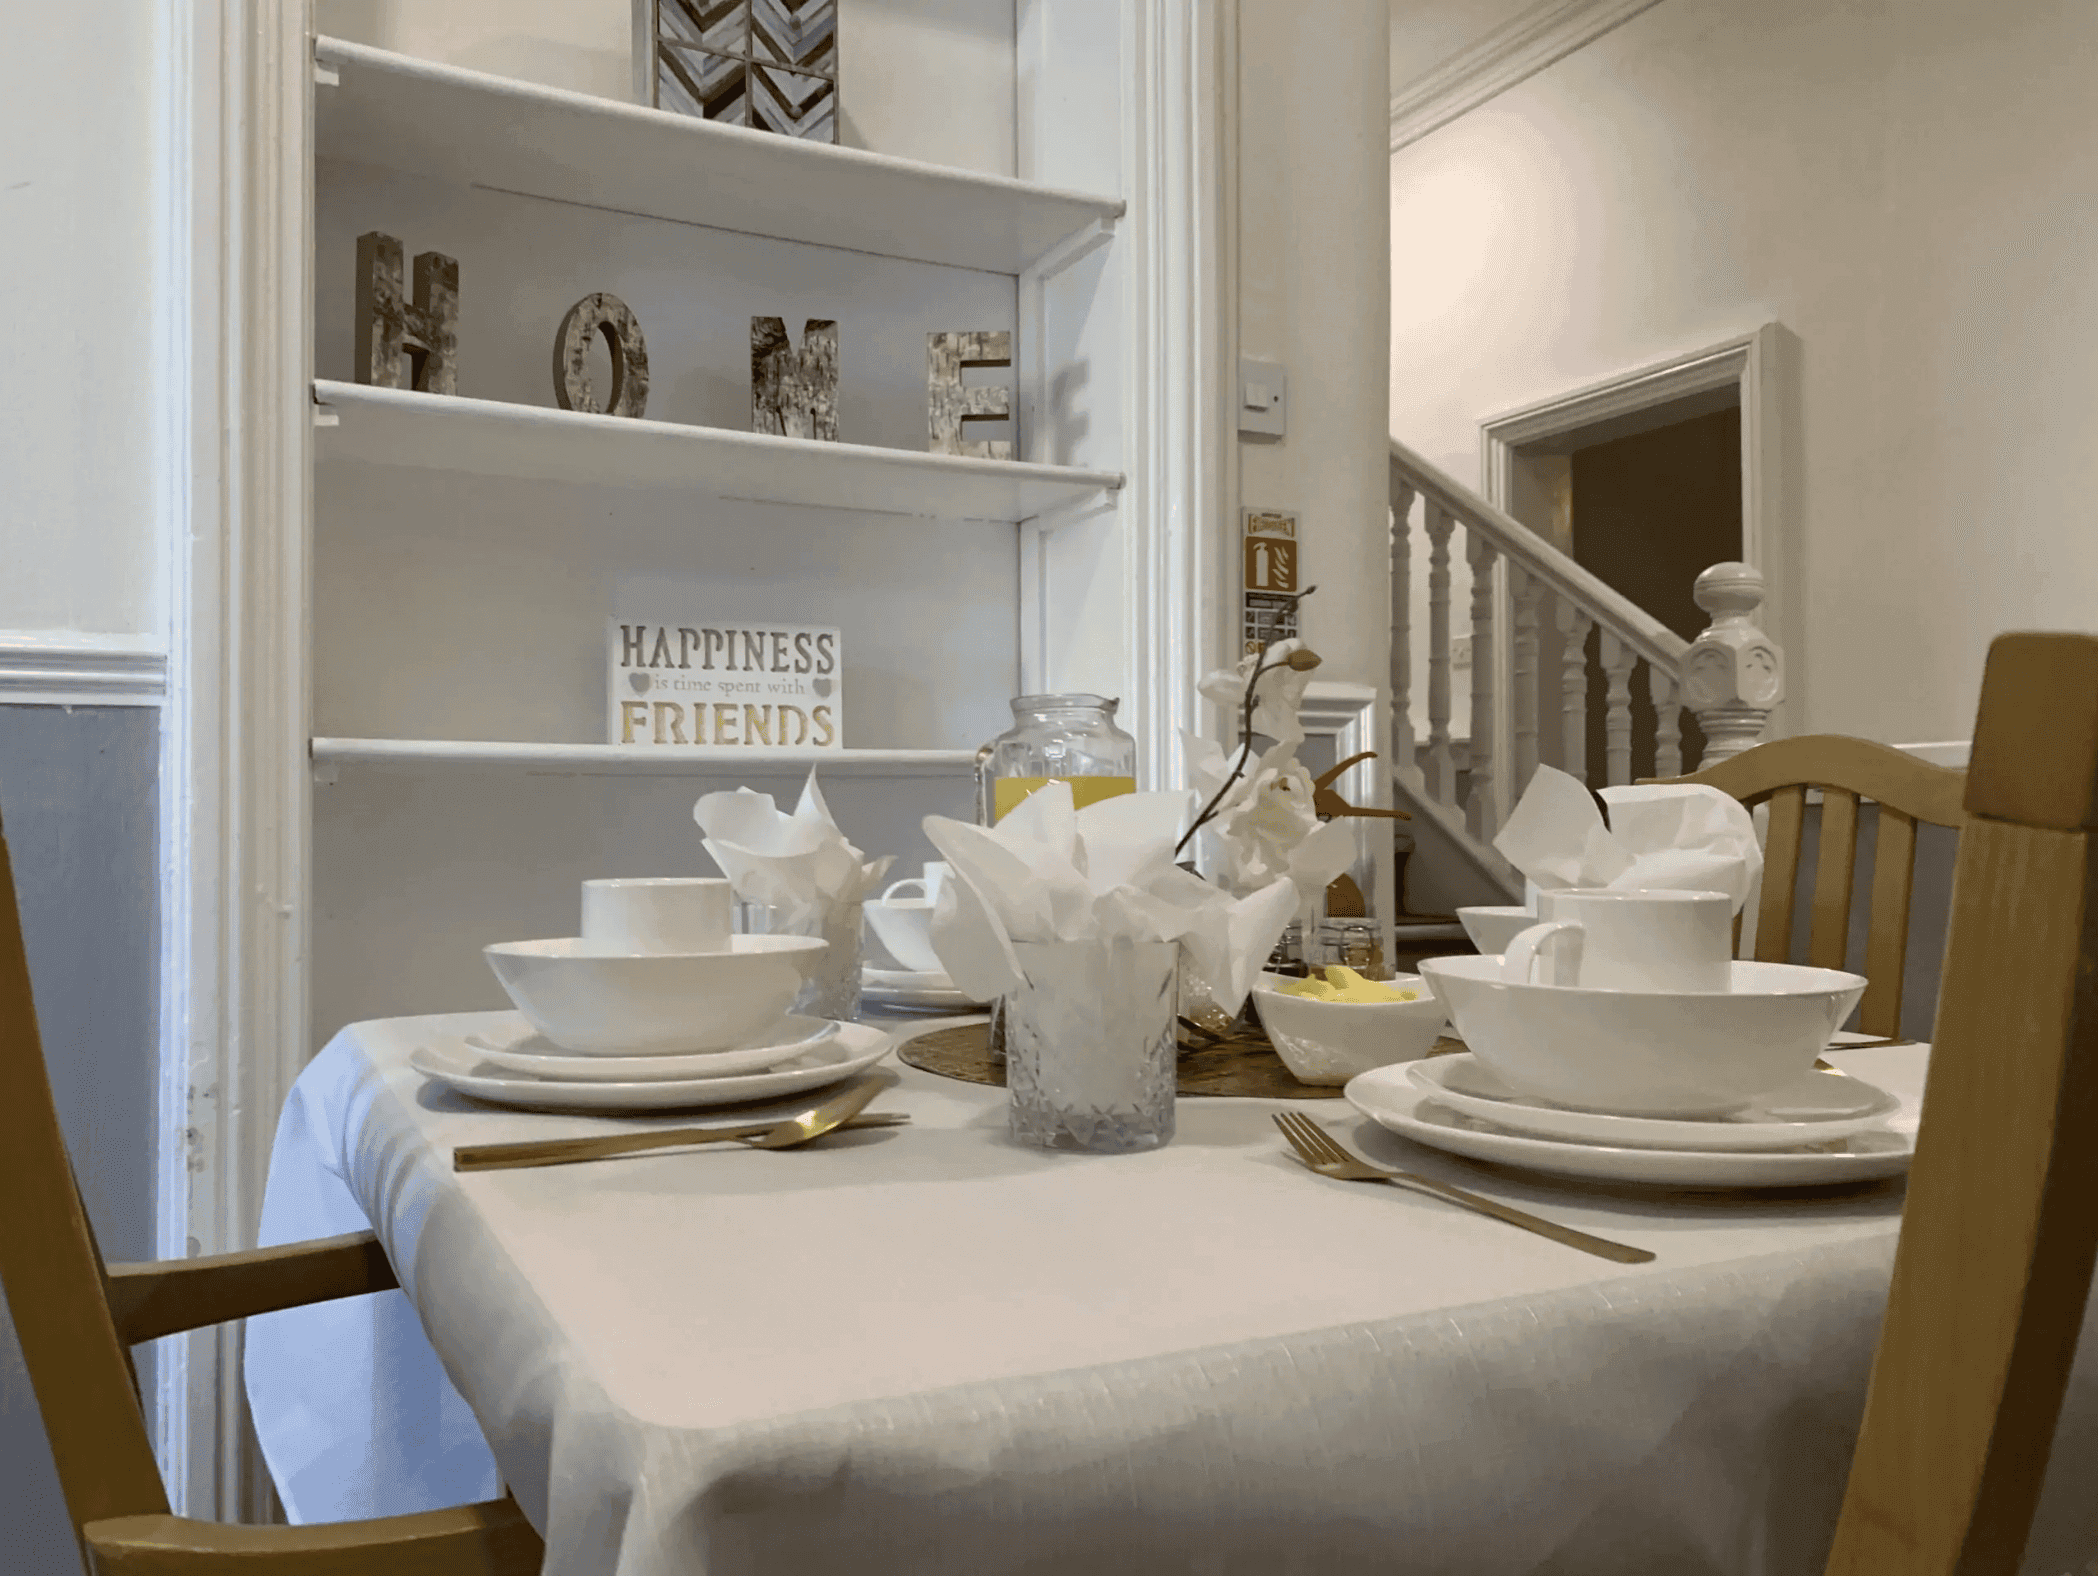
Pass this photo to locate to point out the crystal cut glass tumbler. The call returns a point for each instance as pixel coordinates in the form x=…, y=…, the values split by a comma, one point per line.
x=832, y=989
x=1090, y=1048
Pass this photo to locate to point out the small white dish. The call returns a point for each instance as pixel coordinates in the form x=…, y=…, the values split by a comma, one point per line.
x=853, y=1049
x=1389, y=1097
x=923, y=991
x=904, y=927
x=541, y=1058
x=1814, y=1109
x=594, y=1000
x=1646, y=1053
x=1491, y=928
x=1328, y=1042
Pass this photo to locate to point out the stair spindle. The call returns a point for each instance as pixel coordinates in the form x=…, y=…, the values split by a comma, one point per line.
x=1442, y=766
x=1618, y=661
x=1574, y=624
x=1526, y=592
x=1668, y=720
x=1480, y=814
x=1403, y=756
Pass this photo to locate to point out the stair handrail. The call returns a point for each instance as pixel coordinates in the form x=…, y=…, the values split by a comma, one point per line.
x=1631, y=623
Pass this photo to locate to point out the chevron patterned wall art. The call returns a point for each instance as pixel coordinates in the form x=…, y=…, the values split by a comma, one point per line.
x=767, y=64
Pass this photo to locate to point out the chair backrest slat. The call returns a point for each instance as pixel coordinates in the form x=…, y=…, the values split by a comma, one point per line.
x=1828, y=936
x=1788, y=810
x=1887, y=944
x=53, y=1275
x=2000, y=1227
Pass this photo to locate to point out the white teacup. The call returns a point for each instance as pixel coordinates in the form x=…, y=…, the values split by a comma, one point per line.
x=928, y=885
x=657, y=914
x=1631, y=940
x=905, y=928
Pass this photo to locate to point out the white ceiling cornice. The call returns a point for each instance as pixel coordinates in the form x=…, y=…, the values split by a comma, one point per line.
x=1519, y=48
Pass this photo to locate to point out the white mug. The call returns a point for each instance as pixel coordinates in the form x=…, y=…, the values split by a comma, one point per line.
x=658, y=914
x=905, y=928
x=928, y=885
x=1631, y=939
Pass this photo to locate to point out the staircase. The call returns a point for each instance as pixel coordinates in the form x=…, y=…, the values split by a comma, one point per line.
x=1531, y=607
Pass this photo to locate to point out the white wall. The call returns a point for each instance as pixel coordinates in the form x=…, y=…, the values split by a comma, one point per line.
x=1906, y=186
x=1313, y=145
x=77, y=410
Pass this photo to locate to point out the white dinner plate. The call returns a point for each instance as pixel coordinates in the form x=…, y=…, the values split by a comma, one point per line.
x=537, y=1055
x=1390, y=1098
x=1812, y=1109
x=910, y=988
x=853, y=1049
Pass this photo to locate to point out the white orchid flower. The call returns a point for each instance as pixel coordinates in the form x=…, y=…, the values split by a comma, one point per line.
x=1276, y=699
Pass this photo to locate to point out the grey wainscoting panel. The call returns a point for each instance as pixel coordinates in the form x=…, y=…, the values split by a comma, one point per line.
x=78, y=795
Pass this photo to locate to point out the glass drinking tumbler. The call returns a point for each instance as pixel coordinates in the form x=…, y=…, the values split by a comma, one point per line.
x=1090, y=1048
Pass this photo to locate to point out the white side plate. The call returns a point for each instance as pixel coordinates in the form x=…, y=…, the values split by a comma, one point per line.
x=537, y=1056
x=1810, y=1110
x=904, y=988
x=853, y=1049
x=1390, y=1098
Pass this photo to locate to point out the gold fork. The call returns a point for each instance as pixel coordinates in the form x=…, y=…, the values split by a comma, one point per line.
x=1318, y=1150
x=840, y=1111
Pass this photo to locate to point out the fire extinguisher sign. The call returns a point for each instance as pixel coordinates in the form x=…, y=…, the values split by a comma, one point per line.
x=1270, y=578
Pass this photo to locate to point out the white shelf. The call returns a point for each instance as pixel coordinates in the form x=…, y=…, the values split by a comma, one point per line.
x=503, y=135
x=487, y=437
x=613, y=760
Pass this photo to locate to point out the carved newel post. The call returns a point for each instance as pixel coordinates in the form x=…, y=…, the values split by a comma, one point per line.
x=1733, y=674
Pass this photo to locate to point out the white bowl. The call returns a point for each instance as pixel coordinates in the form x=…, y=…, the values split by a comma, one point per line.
x=1329, y=1042
x=587, y=998
x=1646, y=1053
x=904, y=925
x=1491, y=929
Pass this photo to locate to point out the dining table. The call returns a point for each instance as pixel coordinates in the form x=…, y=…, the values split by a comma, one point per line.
x=926, y=1349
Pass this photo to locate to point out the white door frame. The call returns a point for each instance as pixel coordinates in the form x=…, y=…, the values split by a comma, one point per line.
x=1748, y=363
x=233, y=364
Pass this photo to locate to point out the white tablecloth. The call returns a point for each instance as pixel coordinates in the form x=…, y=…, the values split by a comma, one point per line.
x=929, y=1351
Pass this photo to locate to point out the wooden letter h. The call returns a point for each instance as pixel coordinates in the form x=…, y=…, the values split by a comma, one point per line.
x=395, y=334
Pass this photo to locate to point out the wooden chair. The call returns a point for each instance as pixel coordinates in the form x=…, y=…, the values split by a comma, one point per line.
x=77, y=1319
x=2001, y=1222
x=1845, y=770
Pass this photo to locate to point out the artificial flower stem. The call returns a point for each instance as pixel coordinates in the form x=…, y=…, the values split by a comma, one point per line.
x=1245, y=754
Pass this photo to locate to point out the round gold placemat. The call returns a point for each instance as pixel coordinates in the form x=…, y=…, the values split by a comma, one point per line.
x=1248, y=1068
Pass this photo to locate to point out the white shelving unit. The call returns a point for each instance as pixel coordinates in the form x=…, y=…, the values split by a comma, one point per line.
x=464, y=126
x=489, y=437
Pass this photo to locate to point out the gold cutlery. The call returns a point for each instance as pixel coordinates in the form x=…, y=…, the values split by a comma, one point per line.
x=1823, y=1064
x=1318, y=1150
x=841, y=1111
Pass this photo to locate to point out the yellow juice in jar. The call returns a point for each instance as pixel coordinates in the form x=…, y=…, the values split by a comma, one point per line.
x=1009, y=791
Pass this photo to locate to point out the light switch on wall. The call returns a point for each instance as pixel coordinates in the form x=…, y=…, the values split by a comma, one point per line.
x=1263, y=398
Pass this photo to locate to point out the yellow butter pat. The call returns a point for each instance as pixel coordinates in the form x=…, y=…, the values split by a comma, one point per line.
x=1344, y=984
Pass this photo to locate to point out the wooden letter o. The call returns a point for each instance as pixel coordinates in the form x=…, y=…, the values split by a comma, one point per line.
x=608, y=315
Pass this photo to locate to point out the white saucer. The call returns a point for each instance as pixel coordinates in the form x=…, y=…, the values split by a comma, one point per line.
x=911, y=988
x=1812, y=1109
x=1390, y=1098
x=540, y=1057
x=854, y=1048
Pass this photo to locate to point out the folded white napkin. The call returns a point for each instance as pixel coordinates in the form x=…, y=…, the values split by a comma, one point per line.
x=800, y=863
x=1665, y=836
x=1049, y=872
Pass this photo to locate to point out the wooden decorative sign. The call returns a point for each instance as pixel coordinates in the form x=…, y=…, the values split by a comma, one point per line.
x=771, y=65
x=404, y=343
x=589, y=317
x=794, y=394
x=736, y=686
x=950, y=405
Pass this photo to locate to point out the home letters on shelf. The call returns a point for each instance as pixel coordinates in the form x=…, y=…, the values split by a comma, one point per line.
x=950, y=405
x=403, y=343
x=794, y=394
x=610, y=316
x=734, y=686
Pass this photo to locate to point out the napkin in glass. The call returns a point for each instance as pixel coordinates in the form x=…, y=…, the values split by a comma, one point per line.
x=1051, y=872
x=1685, y=837
x=799, y=865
